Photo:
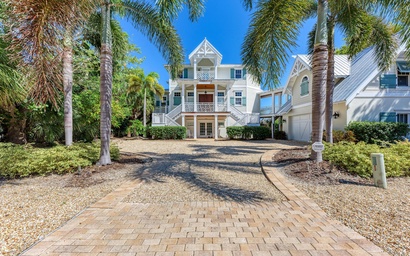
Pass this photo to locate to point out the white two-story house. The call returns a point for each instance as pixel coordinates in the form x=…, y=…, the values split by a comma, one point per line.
x=362, y=93
x=209, y=96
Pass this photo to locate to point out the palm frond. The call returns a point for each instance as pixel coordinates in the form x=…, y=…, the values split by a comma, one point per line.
x=272, y=33
x=159, y=31
x=170, y=9
x=36, y=32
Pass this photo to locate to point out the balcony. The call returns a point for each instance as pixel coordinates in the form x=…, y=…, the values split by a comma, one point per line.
x=205, y=75
x=206, y=107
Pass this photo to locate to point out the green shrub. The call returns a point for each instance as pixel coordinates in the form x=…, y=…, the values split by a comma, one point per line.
x=373, y=132
x=280, y=135
x=22, y=161
x=167, y=132
x=248, y=132
x=339, y=136
x=356, y=157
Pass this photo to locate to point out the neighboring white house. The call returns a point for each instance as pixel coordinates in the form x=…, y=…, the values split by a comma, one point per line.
x=209, y=96
x=362, y=93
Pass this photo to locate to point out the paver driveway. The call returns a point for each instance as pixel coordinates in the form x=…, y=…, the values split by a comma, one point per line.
x=204, y=198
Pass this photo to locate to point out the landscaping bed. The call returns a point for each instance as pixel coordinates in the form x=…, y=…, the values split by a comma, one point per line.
x=382, y=216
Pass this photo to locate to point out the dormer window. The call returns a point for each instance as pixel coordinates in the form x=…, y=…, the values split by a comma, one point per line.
x=304, y=86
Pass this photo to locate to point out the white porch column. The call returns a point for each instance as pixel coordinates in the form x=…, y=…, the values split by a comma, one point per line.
x=195, y=129
x=216, y=68
x=228, y=99
x=183, y=97
x=195, y=96
x=216, y=98
x=216, y=127
x=273, y=126
x=183, y=120
x=273, y=103
x=195, y=68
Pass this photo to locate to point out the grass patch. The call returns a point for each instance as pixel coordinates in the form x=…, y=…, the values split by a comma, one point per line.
x=18, y=161
x=355, y=158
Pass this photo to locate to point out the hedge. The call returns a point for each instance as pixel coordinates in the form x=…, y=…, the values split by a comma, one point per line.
x=248, y=132
x=373, y=132
x=21, y=161
x=167, y=132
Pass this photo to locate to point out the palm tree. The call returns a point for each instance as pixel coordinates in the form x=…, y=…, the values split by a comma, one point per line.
x=361, y=29
x=141, y=83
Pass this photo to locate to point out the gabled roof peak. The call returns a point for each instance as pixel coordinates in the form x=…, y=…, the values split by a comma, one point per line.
x=205, y=50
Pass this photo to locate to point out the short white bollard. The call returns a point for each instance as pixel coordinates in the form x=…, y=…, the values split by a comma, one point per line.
x=379, y=173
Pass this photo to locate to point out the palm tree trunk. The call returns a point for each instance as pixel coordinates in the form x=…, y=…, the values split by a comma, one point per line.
x=330, y=86
x=105, y=85
x=68, y=87
x=319, y=70
x=145, y=107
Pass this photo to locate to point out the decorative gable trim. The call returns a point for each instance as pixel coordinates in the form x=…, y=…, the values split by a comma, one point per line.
x=205, y=50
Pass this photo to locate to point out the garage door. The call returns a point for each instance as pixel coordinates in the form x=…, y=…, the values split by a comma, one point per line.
x=300, y=127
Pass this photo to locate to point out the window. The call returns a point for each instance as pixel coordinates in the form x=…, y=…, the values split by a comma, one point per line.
x=221, y=97
x=402, y=118
x=164, y=98
x=221, y=124
x=190, y=94
x=190, y=97
x=238, y=73
x=304, y=87
x=238, y=98
x=177, y=98
x=177, y=94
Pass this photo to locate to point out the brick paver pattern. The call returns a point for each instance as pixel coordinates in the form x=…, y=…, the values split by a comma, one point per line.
x=294, y=227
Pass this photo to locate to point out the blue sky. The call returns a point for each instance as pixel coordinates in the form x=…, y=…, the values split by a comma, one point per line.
x=224, y=24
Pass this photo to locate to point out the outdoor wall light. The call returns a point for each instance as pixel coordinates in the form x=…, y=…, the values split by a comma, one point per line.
x=206, y=92
x=336, y=115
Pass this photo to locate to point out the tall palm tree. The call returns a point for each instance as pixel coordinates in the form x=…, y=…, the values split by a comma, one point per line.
x=362, y=29
x=146, y=84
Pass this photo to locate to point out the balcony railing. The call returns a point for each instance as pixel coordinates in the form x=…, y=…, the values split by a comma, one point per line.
x=205, y=75
x=205, y=107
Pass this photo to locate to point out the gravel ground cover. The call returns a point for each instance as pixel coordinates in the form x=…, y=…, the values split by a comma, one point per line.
x=383, y=216
x=204, y=170
x=33, y=207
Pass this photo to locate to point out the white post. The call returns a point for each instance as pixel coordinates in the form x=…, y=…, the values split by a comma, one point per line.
x=183, y=97
x=216, y=127
x=273, y=126
x=195, y=96
x=195, y=132
x=195, y=76
x=216, y=98
x=183, y=120
x=273, y=103
x=145, y=107
x=228, y=99
x=216, y=68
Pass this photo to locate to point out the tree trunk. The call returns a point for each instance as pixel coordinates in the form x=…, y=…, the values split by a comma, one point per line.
x=17, y=125
x=330, y=86
x=68, y=87
x=319, y=70
x=105, y=86
x=145, y=107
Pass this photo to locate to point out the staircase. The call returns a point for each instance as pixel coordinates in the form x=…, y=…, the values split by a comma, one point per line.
x=171, y=117
x=242, y=118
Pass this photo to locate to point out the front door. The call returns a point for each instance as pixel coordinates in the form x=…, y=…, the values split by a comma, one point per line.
x=205, y=130
x=206, y=98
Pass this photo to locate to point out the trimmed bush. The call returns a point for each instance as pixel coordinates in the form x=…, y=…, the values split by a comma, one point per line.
x=167, y=132
x=373, y=132
x=355, y=158
x=248, y=132
x=22, y=161
x=339, y=136
x=280, y=135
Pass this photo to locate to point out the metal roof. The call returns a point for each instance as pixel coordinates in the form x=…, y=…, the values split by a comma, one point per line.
x=363, y=68
x=342, y=64
x=284, y=109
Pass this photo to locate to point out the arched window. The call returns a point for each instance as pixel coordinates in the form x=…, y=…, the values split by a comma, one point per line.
x=304, y=86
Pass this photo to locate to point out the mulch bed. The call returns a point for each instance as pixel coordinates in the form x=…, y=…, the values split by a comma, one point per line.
x=296, y=163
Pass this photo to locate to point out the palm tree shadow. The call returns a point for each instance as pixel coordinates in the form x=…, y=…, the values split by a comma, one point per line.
x=186, y=168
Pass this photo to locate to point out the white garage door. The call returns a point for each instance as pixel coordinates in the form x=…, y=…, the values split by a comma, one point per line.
x=300, y=127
